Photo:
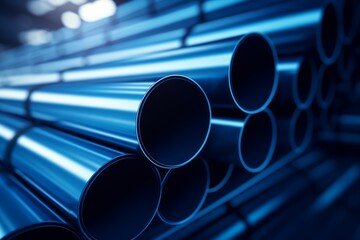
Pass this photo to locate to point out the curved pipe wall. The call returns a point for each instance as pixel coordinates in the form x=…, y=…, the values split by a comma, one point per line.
x=23, y=216
x=220, y=174
x=249, y=143
x=183, y=192
x=327, y=76
x=88, y=182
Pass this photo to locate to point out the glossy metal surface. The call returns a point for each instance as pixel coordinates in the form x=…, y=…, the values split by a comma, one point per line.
x=293, y=26
x=24, y=216
x=12, y=100
x=249, y=143
x=297, y=85
x=88, y=182
x=226, y=71
x=132, y=115
x=295, y=132
x=184, y=191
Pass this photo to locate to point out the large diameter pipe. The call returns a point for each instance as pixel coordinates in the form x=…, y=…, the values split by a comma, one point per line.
x=24, y=216
x=228, y=71
x=107, y=193
x=327, y=77
x=293, y=26
x=249, y=143
x=297, y=84
x=295, y=132
x=168, y=121
x=184, y=191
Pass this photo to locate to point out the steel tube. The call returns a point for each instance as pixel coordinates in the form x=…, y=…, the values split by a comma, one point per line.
x=307, y=23
x=249, y=143
x=297, y=85
x=295, y=133
x=215, y=67
x=24, y=216
x=327, y=76
x=183, y=192
x=169, y=120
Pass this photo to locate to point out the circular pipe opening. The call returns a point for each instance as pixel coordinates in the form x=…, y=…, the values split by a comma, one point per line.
x=326, y=90
x=120, y=200
x=220, y=174
x=304, y=87
x=173, y=121
x=184, y=192
x=329, y=35
x=349, y=20
x=55, y=231
x=301, y=130
x=253, y=78
x=257, y=141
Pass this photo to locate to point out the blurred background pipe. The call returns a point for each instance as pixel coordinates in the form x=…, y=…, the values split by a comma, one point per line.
x=24, y=216
x=220, y=174
x=183, y=192
x=249, y=143
x=88, y=182
x=327, y=76
x=297, y=85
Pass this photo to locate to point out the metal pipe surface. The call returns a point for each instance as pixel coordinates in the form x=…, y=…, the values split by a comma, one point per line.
x=107, y=193
x=249, y=143
x=24, y=216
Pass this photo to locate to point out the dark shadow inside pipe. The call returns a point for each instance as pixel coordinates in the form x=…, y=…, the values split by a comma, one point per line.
x=329, y=34
x=220, y=174
x=184, y=192
x=257, y=141
x=301, y=129
x=44, y=231
x=120, y=200
x=305, y=85
x=173, y=121
x=252, y=76
x=326, y=90
x=349, y=18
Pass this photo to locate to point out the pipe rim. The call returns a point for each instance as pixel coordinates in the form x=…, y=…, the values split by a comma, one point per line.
x=199, y=141
x=223, y=181
x=200, y=203
x=305, y=142
x=49, y=226
x=95, y=179
x=304, y=98
x=330, y=24
x=269, y=64
x=271, y=145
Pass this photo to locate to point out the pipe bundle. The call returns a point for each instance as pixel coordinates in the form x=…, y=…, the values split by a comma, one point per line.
x=132, y=125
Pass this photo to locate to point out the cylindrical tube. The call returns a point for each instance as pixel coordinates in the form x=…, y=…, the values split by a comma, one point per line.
x=295, y=133
x=297, y=85
x=24, y=216
x=308, y=23
x=228, y=71
x=327, y=77
x=220, y=174
x=249, y=143
x=183, y=192
x=108, y=193
x=349, y=10
x=169, y=120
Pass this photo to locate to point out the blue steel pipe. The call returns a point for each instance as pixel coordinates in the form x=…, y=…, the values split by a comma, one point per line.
x=293, y=26
x=295, y=132
x=220, y=174
x=184, y=191
x=327, y=77
x=249, y=143
x=226, y=71
x=24, y=216
x=297, y=84
x=107, y=193
x=167, y=121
